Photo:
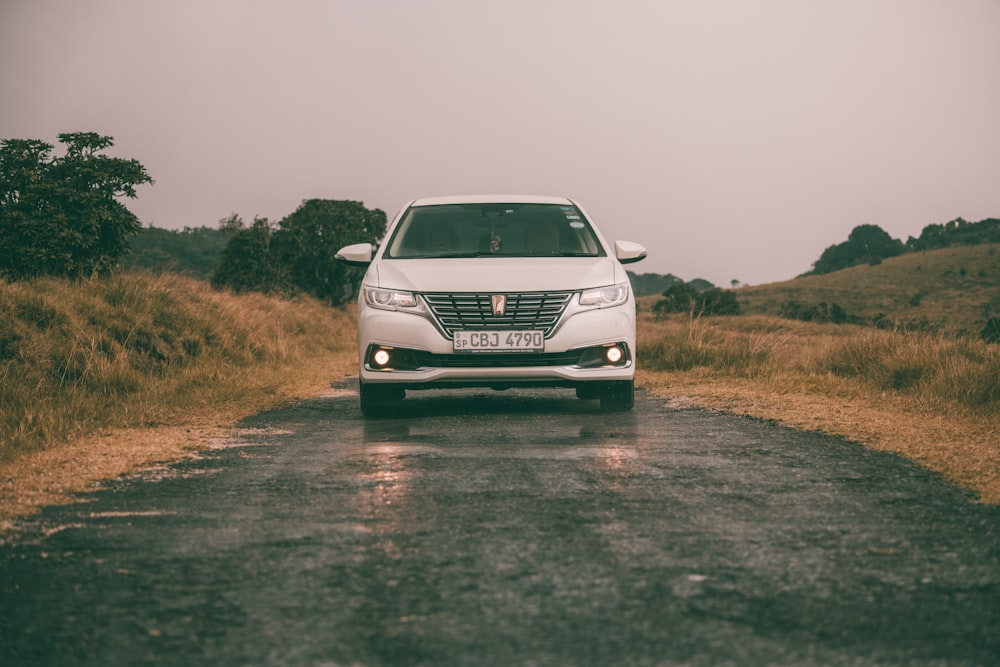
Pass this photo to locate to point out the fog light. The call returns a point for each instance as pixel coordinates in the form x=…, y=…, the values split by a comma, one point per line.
x=614, y=354
x=381, y=357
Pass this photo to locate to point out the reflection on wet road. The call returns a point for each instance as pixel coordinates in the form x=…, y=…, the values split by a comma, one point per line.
x=510, y=528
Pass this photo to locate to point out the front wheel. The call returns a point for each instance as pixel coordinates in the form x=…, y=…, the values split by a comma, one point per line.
x=379, y=400
x=618, y=396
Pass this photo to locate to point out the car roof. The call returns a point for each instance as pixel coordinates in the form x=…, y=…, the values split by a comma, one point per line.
x=492, y=199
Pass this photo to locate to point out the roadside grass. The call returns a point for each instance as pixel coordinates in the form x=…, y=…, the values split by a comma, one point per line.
x=142, y=350
x=83, y=362
x=950, y=290
x=933, y=398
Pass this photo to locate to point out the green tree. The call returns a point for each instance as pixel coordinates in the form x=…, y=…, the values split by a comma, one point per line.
x=309, y=238
x=61, y=216
x=873, y=242
x=247, y=263
x=232, y=224
x=299, y=254
x=866, y=244
x=954, y=232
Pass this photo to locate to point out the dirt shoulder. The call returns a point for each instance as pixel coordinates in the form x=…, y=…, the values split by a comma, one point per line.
x=57, y=475
x=963, y=449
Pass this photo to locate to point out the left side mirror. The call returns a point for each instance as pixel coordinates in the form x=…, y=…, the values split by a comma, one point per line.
x=359, y=254
x=628, y=252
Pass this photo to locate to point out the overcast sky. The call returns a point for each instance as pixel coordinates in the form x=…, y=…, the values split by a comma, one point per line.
x=735, y=139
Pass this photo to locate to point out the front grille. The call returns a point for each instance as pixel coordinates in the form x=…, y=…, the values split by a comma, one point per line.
x=532, y=311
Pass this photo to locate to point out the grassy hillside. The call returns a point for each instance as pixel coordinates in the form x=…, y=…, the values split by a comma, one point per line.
x=138, y=350
x=952, y=290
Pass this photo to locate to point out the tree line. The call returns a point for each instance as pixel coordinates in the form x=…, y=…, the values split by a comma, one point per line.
x=298, y=253
x=870, y=244
x=60, y=215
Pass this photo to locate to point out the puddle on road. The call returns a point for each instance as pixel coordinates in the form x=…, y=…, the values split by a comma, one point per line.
x=401, y=450
x=617, y=453
x=503, y=452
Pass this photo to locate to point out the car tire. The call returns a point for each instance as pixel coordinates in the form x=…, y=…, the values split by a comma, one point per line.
x=618, y=396
x=379, y=400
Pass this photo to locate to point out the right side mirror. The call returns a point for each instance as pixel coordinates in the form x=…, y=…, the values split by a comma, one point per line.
x=628, y=252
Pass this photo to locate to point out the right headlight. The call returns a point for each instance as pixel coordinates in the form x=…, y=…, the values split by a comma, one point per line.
x=604, y=297
x=389, y=299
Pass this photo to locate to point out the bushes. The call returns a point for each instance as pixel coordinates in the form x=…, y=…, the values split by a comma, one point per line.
x=684, y=298
x=297, y=255
x=821, y=312
x=991, y=332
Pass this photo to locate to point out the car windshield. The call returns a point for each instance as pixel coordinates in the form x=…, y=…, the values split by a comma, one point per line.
x=493, y=230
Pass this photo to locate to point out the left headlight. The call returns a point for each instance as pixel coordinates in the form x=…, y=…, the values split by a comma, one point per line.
x=389, y=299
x=603, y=297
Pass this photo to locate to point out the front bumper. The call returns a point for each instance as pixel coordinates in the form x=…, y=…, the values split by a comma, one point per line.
x=424, y=358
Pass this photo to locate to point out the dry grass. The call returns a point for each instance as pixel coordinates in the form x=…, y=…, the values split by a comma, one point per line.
x=103, y=378
x=950, y=290
x=933, y=399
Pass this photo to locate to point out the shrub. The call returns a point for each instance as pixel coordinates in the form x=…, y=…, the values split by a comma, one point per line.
x=991, y=332
x=683, y=298
x=298, y=255
x=821, y=312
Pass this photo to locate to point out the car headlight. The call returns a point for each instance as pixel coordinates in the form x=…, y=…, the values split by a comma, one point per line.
x=603, y=297
x=389, y=299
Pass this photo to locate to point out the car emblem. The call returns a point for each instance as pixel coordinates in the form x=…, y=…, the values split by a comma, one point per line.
x=499, y=304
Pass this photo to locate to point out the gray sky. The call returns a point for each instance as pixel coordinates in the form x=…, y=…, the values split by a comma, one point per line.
x=735, y=139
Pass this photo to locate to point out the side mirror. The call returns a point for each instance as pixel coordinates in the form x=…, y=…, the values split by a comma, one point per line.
x=359, y=254
x=628, y=252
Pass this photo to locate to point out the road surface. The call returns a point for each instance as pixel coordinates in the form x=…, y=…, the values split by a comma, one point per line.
x=515, y=528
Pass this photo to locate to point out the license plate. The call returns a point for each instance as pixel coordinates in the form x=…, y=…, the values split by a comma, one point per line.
x=499, y=341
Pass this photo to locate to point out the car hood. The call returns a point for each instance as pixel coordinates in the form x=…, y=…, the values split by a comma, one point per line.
x=496, y=274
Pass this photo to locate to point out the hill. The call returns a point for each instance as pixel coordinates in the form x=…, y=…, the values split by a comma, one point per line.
x=952, y=290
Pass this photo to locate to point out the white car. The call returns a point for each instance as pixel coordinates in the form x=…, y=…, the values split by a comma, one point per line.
x=495, y=291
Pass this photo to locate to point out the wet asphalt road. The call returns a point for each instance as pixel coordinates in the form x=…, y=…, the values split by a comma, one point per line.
x=512, y=528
